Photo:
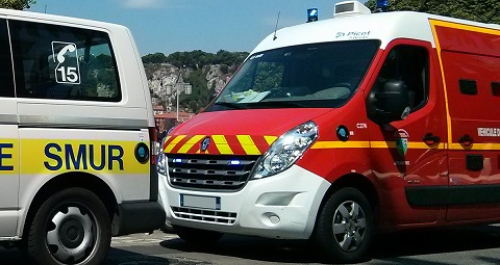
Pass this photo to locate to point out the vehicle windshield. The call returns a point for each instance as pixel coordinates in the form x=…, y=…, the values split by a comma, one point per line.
x=322, y=75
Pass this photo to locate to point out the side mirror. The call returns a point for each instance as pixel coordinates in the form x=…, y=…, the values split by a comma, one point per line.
x=391, y=103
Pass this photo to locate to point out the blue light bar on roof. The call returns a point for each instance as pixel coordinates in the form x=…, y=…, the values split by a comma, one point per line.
x=312, y=15
x=382, y=5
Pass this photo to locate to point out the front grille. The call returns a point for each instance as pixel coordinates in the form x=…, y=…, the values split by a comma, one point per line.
x=205, y=215
x=210, y=172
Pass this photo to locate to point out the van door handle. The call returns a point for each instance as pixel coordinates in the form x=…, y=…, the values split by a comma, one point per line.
x=431, y=139
x=466, y=140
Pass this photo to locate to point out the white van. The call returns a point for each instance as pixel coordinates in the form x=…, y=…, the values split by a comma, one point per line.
x=77, y=157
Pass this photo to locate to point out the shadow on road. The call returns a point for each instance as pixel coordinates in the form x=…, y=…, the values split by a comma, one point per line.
x=437, y=241
x=12, y=256
x=252, y=248
x=123, y=257
x=115, y=257
x=387, y=249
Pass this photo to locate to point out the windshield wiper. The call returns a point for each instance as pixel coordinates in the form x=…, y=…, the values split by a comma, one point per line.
x=283, y=104
x=231, y=105
x=272, y=104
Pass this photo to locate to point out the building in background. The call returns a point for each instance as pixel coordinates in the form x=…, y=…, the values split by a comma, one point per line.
x=169, y=118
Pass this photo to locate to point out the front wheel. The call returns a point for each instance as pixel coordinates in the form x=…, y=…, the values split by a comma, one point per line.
x=71, y=227
x=345, y=226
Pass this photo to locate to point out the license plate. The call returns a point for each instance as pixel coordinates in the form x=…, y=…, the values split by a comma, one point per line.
x=203, y=202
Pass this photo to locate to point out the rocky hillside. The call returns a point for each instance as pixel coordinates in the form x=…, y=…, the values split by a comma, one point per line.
x=205, y=73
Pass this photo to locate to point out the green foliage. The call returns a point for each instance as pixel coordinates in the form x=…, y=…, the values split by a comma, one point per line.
x=100, y=76
x=224, y=68
x=269, y=75
x=200, y=93
x=17, y=4
x=486, y=11
x=197, y=59
x=154, y=58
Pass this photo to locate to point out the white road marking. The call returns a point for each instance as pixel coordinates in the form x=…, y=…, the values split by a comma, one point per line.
x=154, y=238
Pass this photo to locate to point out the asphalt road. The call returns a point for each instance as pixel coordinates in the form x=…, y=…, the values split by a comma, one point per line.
x=471, y=245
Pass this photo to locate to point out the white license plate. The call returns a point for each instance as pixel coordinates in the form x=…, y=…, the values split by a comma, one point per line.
x=202, y=202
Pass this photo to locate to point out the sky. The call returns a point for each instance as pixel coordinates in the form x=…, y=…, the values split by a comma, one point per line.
x=169, y=26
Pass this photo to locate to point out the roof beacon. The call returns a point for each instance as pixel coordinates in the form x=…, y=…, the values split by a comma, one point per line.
x=350, y=8
x=382, y=5
x=312, y=15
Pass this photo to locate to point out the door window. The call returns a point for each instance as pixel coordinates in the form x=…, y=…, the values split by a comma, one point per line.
x=6, y=78
x=411, y=65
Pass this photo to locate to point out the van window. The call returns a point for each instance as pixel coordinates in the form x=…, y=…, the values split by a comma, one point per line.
x=411, y=65
x=495, y=89
x=58, y=62
x=468, y=87
x=6, y=78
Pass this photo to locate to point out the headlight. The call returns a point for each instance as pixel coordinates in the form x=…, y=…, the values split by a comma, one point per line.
x=161, y=165
x=286, y=150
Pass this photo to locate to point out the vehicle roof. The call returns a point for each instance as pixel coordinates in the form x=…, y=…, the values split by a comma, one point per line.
x=54, y=19
x=384, y=26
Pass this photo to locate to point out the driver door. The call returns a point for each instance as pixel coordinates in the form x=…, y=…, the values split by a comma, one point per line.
x=409, y=156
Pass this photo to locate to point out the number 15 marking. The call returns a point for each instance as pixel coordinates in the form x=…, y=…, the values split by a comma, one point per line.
x=66, y=56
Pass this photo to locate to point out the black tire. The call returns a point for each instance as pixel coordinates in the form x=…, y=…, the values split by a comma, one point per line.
x=71, y=227
x=350, y=213
x=197, y=237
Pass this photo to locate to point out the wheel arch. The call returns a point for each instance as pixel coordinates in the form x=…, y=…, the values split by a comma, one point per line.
x=69, y=180
x=359, y=182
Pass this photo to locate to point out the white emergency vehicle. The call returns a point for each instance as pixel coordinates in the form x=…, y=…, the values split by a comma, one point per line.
x=77, y=132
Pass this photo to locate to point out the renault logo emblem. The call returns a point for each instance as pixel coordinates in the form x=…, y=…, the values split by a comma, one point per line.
x=205, y=144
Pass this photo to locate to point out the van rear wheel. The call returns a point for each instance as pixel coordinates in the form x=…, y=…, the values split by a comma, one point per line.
x=345, y=226
x=71, y=227
x=197, y=236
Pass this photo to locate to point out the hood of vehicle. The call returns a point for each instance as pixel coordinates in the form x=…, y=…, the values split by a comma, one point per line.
x=236, y=132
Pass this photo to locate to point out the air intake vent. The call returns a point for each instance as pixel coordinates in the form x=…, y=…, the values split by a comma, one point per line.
x=350, y=8
x=347, y=7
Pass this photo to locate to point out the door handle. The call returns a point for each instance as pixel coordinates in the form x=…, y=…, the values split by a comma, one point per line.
x=466, y=140
x=430, y=139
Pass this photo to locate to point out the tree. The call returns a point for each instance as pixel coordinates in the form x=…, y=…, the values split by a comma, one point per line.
x=200, y=92
x=486, y=11
x=154, y=58
x=17, y=4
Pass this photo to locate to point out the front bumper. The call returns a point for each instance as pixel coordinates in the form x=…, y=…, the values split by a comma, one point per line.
x=281, y=206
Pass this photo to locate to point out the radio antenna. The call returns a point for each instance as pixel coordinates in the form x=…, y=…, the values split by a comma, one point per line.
x=276, y=28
